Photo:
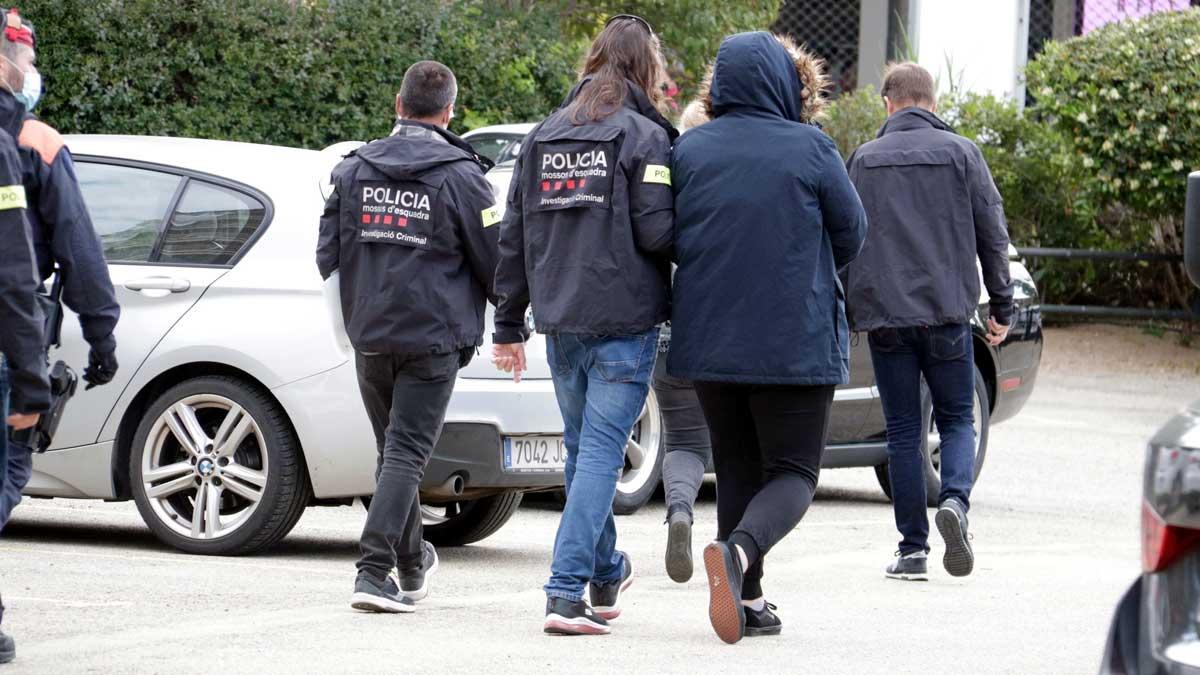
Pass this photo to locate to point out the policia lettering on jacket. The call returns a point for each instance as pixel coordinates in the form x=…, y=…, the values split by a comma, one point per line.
x=396, y=214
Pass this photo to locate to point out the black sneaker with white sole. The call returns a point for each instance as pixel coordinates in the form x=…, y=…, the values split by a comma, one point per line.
x=373, y=596
x=566, y=617
x=415, y=585
x=910, y=567
x=606, y=598
x=763, y=621
x=951, y=520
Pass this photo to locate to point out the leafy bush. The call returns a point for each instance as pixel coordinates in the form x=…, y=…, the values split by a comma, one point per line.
x=1126, y=100
x=308, y=73
x=854, y=118
x=304, y=74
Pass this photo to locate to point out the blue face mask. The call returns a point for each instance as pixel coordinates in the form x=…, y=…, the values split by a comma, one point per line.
x=31, y=91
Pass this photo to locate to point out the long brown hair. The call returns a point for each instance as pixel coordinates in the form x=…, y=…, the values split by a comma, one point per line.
x=624, y=50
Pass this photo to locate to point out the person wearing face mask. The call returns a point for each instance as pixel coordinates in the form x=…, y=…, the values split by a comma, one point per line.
x=64, y=240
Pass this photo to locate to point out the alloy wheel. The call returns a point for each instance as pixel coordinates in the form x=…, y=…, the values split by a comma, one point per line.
x=641, y=453
x=204, y=466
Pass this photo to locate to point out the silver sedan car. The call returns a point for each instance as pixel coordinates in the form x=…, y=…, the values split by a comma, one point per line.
x=236, y=405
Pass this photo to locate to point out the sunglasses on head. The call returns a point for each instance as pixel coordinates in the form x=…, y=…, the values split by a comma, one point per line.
x=631, y=17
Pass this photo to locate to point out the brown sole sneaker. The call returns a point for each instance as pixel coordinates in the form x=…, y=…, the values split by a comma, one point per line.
x=725, y=610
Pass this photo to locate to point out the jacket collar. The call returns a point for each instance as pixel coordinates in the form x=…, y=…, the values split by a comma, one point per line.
x=912, y=118
x=414, y=129
x=637, y=101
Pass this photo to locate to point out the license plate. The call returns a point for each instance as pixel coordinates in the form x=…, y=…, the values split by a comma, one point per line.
x=533, y=454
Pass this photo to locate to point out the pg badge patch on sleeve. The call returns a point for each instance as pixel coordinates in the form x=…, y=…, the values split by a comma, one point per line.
x=657, y=173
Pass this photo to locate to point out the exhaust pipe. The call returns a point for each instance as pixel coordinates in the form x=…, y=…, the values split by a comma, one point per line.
x=452, y=488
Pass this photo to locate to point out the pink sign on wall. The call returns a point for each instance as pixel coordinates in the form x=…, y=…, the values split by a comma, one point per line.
x=1096, y=13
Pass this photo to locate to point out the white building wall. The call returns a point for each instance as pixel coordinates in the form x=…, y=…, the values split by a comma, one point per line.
x=977, y=44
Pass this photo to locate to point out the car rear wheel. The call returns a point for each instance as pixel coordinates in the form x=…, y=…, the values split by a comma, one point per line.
x=466, y=522
x=643, y=460
x=217, y=469
x=933, y=442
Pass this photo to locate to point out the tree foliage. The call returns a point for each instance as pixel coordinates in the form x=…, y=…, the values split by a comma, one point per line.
x=311, y=72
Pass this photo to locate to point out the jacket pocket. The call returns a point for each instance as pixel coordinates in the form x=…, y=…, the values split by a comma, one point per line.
x=949, y=342
x=574, y=168
x=435, y=367
x=626, y=358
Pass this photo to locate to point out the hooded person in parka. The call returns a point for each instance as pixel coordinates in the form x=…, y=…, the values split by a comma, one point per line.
x=686, y=435
x=765, y=215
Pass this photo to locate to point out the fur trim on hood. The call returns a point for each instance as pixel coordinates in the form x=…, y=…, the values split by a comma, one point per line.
x=813, y=80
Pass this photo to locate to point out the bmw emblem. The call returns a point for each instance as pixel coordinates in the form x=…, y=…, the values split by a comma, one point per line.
x=205, y=467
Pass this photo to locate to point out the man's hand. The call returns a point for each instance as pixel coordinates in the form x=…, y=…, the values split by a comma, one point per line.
x=510, y=359
x=996, y=332
x=20, y=422
x=102, y=367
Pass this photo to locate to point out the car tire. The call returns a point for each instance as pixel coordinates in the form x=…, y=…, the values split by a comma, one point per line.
x=638, y=483
x=251, y=466
x=462, y=523
x=933, y=477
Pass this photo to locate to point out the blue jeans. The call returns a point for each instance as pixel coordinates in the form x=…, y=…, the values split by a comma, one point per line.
x=20, y=469
x=601, y=384
x=945, y=356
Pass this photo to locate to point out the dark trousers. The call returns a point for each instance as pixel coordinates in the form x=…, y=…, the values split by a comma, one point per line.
x=767, y=444
x=406, y=399
x=688, y=446
x=945, y=356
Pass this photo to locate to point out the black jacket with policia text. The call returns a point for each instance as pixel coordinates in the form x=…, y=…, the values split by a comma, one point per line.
x=589, y=227
x=410, y=227
x=22, y=341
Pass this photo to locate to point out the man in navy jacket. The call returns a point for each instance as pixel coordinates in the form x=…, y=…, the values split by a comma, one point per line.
x=934, y=211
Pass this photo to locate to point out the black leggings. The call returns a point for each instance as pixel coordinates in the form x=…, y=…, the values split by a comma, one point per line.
x=686, y=435
x=767, y=446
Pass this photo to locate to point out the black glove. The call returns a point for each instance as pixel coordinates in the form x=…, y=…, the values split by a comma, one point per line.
x=102, y=367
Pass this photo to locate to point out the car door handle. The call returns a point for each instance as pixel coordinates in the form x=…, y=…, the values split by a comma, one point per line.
x=159, y=284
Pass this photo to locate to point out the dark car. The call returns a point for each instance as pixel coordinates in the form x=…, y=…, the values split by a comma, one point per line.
x=857, y=431
x=1156, y=628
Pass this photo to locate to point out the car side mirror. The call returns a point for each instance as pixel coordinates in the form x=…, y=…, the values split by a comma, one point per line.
x=1191, y=228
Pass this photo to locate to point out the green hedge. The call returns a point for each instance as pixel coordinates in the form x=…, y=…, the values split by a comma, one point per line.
x=311, y=72
x=306, y=73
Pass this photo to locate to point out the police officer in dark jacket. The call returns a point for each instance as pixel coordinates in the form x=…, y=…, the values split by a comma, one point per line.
x=587, y=238
x=410, y=231
x=63, y=235
x=24, y=387
x=934, y=212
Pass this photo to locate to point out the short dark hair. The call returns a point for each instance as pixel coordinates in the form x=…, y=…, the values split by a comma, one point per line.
x=427, y=89
x=908, y=83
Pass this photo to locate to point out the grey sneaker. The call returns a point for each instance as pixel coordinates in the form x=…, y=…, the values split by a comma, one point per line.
x=679, y=546
x=372, y=596
x=911, y=567
x=415, y=585
x=8, y=648
x=951, y=520
x=606, y=598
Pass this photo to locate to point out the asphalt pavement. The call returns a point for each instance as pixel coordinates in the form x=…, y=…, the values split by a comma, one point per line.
x=1055, y=524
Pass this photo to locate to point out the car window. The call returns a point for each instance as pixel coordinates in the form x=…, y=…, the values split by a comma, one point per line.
x=210, y=225
x=489, y=146
x=510, y=152
x=127, y=206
